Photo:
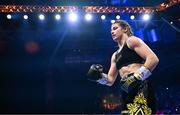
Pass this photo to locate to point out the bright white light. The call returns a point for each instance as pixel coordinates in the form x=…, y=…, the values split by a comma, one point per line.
x=132, y=17
x=41, y=17
x=73, y=17
x=117, y=17
x=146, y=17
x=112, y=21
x=25, y=17
x=9, y=16
x=171, y=22
x=57, y=17
x=88, y=17
x=103, y=17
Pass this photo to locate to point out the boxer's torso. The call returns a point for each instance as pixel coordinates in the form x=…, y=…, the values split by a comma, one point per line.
x=127, y=61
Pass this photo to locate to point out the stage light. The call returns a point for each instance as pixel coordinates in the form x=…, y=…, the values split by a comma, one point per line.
x=88, y=17
x=117, y=17
x=73, y=17
x=103, y=17
x=146, y=17
x=112, y=21
x=132, y=17
x=41, y=17
x=152, y=35
x=9, y=16
x=25, y=17
x=57, y=17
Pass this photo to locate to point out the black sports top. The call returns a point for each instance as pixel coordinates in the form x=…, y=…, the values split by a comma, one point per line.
x=127, y=56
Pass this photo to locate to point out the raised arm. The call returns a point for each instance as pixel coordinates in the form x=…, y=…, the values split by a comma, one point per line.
x=95, y=73
x=113, y=72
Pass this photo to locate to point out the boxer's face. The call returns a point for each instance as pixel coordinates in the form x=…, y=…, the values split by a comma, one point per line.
x=116, y=32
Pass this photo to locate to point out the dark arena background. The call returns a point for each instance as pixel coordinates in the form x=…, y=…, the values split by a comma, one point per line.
x=47, y=47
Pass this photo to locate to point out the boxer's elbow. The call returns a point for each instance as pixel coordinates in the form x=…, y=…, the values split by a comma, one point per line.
x=153, y=62
x=156, y=60
x=153, y=58
x=110, y=84
x=110, y=81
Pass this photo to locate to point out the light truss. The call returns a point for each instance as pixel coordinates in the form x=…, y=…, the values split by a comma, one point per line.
x=88, y=9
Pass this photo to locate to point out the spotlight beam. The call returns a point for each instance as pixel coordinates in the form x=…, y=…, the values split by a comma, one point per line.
x=175, y=28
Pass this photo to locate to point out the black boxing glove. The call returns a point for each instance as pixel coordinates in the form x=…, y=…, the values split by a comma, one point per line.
x=130, y=83
x=95, y=72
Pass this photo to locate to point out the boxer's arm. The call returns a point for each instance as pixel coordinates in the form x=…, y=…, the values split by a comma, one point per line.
x=113, y=72
x=96, y=74
x=108, y=79
x=151, y=60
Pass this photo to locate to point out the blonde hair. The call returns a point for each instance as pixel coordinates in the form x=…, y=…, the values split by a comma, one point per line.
x=124, y=25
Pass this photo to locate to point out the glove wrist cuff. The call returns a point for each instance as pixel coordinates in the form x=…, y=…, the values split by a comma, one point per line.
x=143, y=73
x=104, y=79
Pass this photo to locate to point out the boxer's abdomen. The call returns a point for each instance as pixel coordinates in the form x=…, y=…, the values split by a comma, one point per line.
x=131, y=68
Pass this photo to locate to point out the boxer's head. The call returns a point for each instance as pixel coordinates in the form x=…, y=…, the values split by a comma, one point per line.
x=119, y=27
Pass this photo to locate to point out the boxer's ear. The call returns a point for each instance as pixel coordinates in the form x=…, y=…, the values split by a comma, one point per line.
x=125, y=29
